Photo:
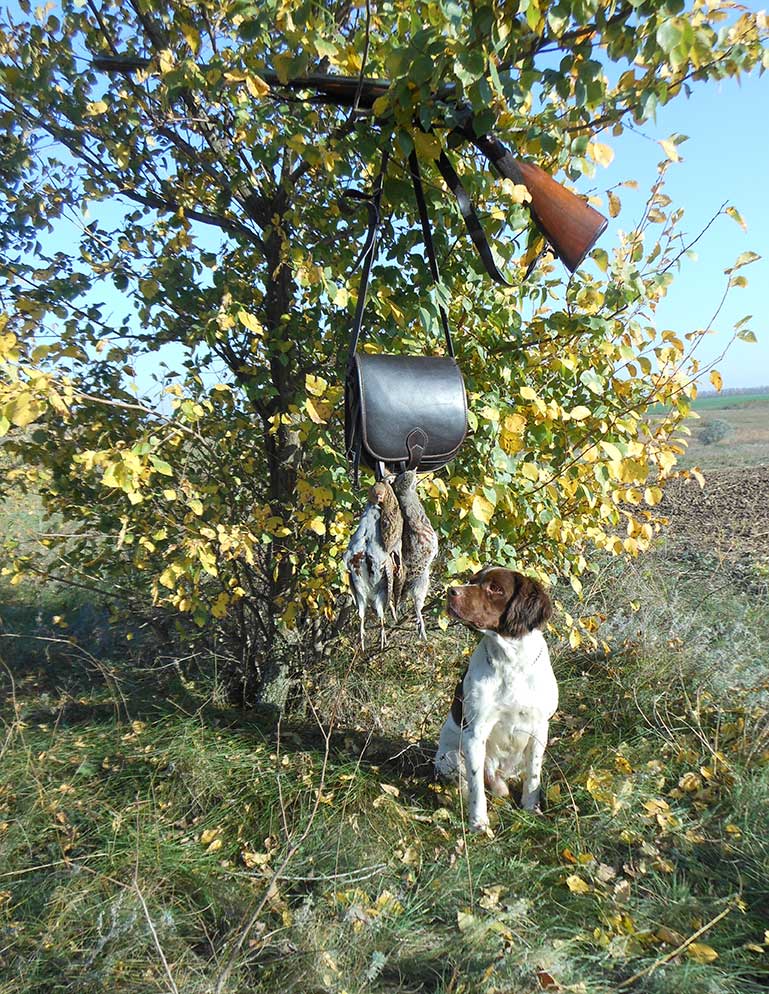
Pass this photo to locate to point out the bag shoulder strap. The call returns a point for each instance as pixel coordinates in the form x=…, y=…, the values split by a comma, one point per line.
x=429, y=247
x=374, y=202
x=369, y=250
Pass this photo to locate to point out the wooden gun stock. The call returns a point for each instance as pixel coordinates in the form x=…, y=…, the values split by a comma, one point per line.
x=571, y=226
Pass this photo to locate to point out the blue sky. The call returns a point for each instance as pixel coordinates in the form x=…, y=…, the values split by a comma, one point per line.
x=725, y=159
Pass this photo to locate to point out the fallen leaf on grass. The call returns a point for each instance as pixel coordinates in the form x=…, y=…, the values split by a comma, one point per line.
x=547, y=982
x=669, y=936
x=577, y=885
x=701, y=953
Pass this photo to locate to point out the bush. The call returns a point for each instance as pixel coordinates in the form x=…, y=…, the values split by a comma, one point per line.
x=714, y=431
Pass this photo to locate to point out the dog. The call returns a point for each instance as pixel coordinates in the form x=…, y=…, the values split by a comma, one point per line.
x=498, y=726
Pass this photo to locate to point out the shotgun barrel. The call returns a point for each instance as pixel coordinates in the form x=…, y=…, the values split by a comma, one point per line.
x=570, y=224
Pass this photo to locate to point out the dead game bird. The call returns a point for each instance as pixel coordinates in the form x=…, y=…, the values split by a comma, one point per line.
x=419, y=546
x=369, y=569
x=382, y=495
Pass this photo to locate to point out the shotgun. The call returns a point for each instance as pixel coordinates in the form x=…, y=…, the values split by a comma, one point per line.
x=569, y=223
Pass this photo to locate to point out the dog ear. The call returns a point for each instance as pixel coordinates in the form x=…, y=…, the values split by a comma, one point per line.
x=529, y=608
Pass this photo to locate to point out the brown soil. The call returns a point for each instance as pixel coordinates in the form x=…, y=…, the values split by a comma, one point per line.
x=729, y=517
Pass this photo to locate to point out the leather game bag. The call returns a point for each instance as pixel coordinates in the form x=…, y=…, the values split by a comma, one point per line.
x=401, y=411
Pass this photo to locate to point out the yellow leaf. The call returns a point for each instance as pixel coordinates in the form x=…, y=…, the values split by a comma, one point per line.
x=528, y=394
x=577, y=885
x=219, y=607
x=511, y=434
x=530, y=472
x=611, y=451
x=319, y=411
x=23, y=410
x=256, y=86
x=387, y=904
x=670, y=150
x=191, y=36
x=252, y=323
x=517, y=192
x=196, y=506
x=427, y=146
x=667, y=461
x=735, y=214
x=652, y=496
x=254, y=859
x=317, y=525
x=208, y=835
x=315, y=385
x=95, y=108
x=489, y=413
x=575, y=639
x=8, y=348
x=579, y=413
x=482, y=509
x=602, y=154
x=615, y=204
x=716, y=380
x=695, y=472
x=381, y=105
x=701, y=953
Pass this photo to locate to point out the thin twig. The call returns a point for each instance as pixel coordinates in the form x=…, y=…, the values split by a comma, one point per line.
x=48, y=866
x=155, y=938
x=669, y=956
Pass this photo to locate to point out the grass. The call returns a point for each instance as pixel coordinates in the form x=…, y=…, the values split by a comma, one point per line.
x=151, y=840
x=721, y=402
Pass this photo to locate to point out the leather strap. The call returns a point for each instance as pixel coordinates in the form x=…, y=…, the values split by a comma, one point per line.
x=429, y=247
x=471, y=219
x=369, y=251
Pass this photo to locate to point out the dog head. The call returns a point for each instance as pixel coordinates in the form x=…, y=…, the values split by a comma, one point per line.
x=502, y=601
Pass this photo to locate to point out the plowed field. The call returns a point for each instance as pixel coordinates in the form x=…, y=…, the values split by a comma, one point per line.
x=729, y=517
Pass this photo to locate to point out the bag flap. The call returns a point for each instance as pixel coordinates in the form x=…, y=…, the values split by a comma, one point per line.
x=403, y=394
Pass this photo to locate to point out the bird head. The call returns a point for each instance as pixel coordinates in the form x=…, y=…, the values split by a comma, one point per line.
x=376, y=494
x=405, y=482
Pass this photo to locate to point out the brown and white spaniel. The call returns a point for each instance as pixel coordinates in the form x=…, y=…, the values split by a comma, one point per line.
x=498, y=726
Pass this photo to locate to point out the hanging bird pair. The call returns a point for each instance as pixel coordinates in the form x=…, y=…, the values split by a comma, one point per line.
x=391, y=551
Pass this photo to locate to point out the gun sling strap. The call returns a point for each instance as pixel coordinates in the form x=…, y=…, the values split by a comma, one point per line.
x=401, y=411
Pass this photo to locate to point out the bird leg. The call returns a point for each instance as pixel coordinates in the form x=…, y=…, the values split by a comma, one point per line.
x=419, y=593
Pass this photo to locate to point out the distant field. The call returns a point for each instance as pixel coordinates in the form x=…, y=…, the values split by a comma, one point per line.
x=720, y=402
x=746, y=442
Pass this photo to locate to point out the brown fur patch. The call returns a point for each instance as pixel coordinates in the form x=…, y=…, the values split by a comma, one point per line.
x=501, y=600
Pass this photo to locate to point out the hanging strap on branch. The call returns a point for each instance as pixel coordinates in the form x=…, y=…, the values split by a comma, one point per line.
x=368, y=253
x=429, y=247
x=471, y=219
x=374, y=201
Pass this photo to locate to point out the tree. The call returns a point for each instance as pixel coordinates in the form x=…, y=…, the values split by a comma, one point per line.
x=229, y=500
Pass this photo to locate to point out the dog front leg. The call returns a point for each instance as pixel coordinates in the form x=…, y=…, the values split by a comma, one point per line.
x=535, y=752
x=474, y=749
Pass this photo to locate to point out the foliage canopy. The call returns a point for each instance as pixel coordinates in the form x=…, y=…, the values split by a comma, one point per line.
x=213, y=207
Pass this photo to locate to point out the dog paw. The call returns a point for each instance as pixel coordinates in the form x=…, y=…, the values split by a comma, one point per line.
x=481, y=827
